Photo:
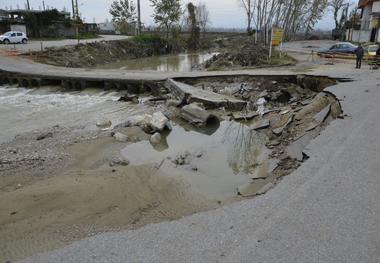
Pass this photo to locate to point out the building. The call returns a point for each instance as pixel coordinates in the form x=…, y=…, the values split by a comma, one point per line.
x=370, y=22
x=91, y=28
x=37, y=23
x=107, y=28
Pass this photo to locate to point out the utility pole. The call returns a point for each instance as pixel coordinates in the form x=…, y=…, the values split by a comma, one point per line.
x=43, y=5
x=28, y=5
x=76, y=16
x=138, y=18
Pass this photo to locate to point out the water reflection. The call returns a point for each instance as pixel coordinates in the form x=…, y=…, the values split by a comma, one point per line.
x=231, y=149
x=177, y=63
x=246, y=145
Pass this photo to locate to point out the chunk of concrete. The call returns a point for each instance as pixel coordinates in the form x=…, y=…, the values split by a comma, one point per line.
x=278, y=131
x=190, y=94
x=155, y=138
x=120, y=137
x=296, y=149
x=158, y=121
x=253, y=189
x=261, y=124
x=196, y=115
x=103, y=123
x=244, y=116
x=119, y=161
x=322, y=115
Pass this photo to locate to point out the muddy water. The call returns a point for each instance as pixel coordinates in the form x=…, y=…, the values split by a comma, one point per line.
x=219, y=160
x=178, y=63
x=23, y=110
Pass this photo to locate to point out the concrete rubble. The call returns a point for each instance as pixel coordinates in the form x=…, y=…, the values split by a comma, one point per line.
x=194, y=114
x=120, y=137
x=188, y=94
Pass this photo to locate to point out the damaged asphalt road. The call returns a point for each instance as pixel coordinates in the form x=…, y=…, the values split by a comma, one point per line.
x=326, y=211
x=225, y=139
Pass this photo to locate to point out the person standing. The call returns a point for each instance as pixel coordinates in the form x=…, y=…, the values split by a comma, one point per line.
x=359, y=52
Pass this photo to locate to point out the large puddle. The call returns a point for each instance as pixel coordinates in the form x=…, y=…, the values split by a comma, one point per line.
x=216, y=161
x=178, y=63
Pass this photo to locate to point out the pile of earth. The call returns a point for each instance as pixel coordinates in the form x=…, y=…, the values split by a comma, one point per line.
x=103, y=52
x=247, y=55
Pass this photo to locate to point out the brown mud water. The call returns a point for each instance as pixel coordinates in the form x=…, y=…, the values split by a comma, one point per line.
x=73, y=180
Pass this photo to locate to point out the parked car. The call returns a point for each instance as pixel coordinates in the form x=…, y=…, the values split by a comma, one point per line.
x=342, y=47
x=13, y=37
x=371, y=49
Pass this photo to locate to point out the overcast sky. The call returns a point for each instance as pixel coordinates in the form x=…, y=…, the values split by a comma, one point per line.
x=224, y=13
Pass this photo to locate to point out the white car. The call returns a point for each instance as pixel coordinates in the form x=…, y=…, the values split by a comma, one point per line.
x=13, y=37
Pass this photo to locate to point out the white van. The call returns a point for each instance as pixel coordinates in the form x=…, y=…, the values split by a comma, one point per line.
x=14, y=37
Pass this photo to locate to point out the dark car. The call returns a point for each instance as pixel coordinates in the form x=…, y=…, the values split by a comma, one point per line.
x=339, y=48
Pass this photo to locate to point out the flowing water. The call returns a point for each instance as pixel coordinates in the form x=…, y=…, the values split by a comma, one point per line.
x=23, y=110
x=177, y=63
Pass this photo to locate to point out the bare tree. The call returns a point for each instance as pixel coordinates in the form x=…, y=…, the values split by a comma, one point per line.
x=203, y=16
x=249, y=7
x=340, y=11
x=291, y=15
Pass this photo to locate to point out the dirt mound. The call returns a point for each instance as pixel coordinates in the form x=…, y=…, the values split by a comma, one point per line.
x=247, y=55
x=93, y=54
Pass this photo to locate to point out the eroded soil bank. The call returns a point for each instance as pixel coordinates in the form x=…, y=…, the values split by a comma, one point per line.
x=115, y=165
x=218, y=52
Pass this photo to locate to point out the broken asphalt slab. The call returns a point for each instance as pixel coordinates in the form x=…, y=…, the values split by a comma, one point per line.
x=189, y=94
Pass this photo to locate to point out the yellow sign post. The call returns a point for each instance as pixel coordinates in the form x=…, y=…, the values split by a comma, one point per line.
x=276, y=38
x=277, y=35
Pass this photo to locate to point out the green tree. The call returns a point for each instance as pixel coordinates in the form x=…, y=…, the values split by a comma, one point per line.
x=123, y=14
x=166, y=13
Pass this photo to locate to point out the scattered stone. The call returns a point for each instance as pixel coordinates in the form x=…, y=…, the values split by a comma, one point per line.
x=103, y=123
x=13, y=213
x=273, y=143
x=199, y=155
x=261, y=124
x=182, y=159
x=155, y=138
x=278, y=131
x=340, y=116
x=244, y=116
x=120, y=137
x=194, y=167
x=126, y=98
x=284, y=112
x=119, y=161
x=158, y=121
x=173, y=103
x=44, y=136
